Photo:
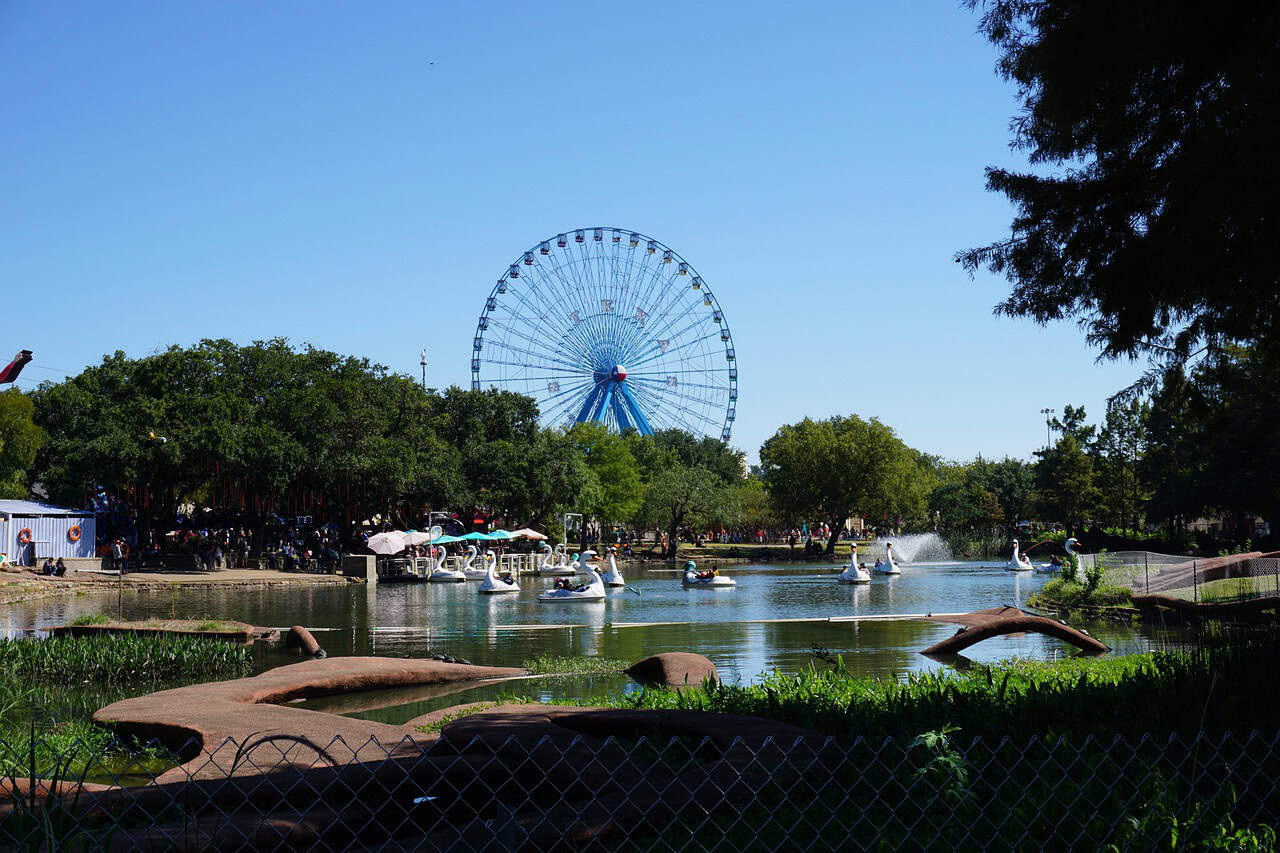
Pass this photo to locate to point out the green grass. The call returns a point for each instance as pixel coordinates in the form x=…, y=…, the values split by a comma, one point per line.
x=216, y=626
x=119, y=658
x=551, y=665
x=1223, y=684
x=446, y=719
x=91, y=619
x=1228, y=589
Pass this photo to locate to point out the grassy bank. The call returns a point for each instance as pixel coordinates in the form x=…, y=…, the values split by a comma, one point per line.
x=1225, y=683
x=1072, y=595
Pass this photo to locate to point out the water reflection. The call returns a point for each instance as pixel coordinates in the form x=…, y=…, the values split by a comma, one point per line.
x=737, y=628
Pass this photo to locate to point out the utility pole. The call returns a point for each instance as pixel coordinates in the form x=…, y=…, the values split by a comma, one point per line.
x=1048, y=435
x=424, y=369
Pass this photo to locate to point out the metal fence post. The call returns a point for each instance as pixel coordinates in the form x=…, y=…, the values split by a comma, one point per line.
x=1195, y=584
x=1146, y=568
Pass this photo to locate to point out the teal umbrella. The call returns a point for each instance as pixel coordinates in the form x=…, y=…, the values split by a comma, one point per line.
x=473, y=536
x=499, y=536
x=445, y=540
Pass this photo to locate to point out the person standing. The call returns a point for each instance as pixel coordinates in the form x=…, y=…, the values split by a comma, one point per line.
x=117, y=556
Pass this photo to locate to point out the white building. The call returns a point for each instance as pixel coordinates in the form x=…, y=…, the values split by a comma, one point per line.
x=31, y=531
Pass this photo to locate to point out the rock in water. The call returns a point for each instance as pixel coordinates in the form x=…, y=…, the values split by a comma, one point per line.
x=674, y=668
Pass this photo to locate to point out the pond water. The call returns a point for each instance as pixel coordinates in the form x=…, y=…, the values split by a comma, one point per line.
x=745, y=630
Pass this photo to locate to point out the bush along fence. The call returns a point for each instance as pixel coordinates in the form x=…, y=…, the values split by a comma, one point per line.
x=938, y=791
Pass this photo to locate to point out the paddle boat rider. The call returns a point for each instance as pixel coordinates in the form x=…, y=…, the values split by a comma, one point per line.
x=691, y=568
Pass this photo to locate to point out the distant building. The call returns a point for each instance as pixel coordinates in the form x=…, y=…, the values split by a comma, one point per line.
x=31, y=531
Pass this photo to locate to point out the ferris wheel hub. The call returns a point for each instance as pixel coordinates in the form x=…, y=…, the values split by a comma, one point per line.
x=619, y=373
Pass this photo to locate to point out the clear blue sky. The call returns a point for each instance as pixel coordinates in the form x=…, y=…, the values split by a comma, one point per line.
x=356, y=175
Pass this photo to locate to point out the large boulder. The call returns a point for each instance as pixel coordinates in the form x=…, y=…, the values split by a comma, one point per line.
x=674, y=668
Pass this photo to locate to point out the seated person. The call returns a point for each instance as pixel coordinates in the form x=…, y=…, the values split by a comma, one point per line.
x=506, y=577
x=59, y=568
x=563, y=583
x=48, y=568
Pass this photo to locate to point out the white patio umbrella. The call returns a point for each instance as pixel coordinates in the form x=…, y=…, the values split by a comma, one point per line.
x=390, y=542
x=527, y=533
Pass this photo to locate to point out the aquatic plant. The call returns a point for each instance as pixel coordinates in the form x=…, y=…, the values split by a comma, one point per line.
x=552, y=665
x=119, y=658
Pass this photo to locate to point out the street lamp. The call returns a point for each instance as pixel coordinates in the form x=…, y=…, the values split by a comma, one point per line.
x=1048, y=436
x=423, y=362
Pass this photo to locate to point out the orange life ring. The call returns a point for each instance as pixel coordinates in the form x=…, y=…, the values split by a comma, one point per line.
x=73, y=533
x=24, y=536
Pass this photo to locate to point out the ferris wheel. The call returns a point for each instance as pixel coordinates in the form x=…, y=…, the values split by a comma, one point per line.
x=608, y=325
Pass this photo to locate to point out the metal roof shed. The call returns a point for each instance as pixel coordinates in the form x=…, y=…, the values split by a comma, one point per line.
x=50, y=526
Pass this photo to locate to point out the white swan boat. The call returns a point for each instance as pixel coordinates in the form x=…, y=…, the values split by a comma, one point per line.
x=493, y=583
x=613, y=577
x=469, y=569
x=1050, y=568
x=551, y=562
x=693, y=579
x=1019, y=562
x=593, y=590
x=853, y=573
x=440, y=574
x=887, y=566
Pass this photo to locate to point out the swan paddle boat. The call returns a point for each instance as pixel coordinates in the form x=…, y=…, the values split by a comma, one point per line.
x=887, y=566
x=613, y=577
x=472, y=571
x=854, y=573
x=1050, y=568
x=711, y=579
x=494, y=583
x=441, y=574
x=1019, y=562
x=593, y=590
x=553, y=562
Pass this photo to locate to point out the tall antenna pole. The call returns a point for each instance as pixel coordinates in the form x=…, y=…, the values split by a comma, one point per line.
x=424, y=369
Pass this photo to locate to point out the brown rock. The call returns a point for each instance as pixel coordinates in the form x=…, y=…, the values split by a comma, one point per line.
x=674, y=668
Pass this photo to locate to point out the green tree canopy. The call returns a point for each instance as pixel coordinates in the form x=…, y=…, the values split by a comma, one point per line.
x=1151, y=214
x=609, y=458
x=20, y=439
x=832, y=469
x=680, y=496
x=1065, y=483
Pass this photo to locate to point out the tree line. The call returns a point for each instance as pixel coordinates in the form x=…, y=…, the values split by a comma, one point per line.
x=267, y=428
x=1203, y=444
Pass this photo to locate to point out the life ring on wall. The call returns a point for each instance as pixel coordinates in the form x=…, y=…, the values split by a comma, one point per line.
x=73, y=533
x=24, y=536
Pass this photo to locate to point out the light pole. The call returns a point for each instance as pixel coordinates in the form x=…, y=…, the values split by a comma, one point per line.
x=423, y=362
x=1048, y=436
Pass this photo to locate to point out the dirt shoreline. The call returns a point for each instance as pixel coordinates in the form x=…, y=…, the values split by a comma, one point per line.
x=17, y=587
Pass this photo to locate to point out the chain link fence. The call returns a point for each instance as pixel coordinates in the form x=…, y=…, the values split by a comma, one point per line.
x=1208, y=579
x=939, y=791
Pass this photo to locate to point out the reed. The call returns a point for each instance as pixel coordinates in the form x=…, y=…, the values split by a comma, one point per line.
x=551, y=665
x=119, y=658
